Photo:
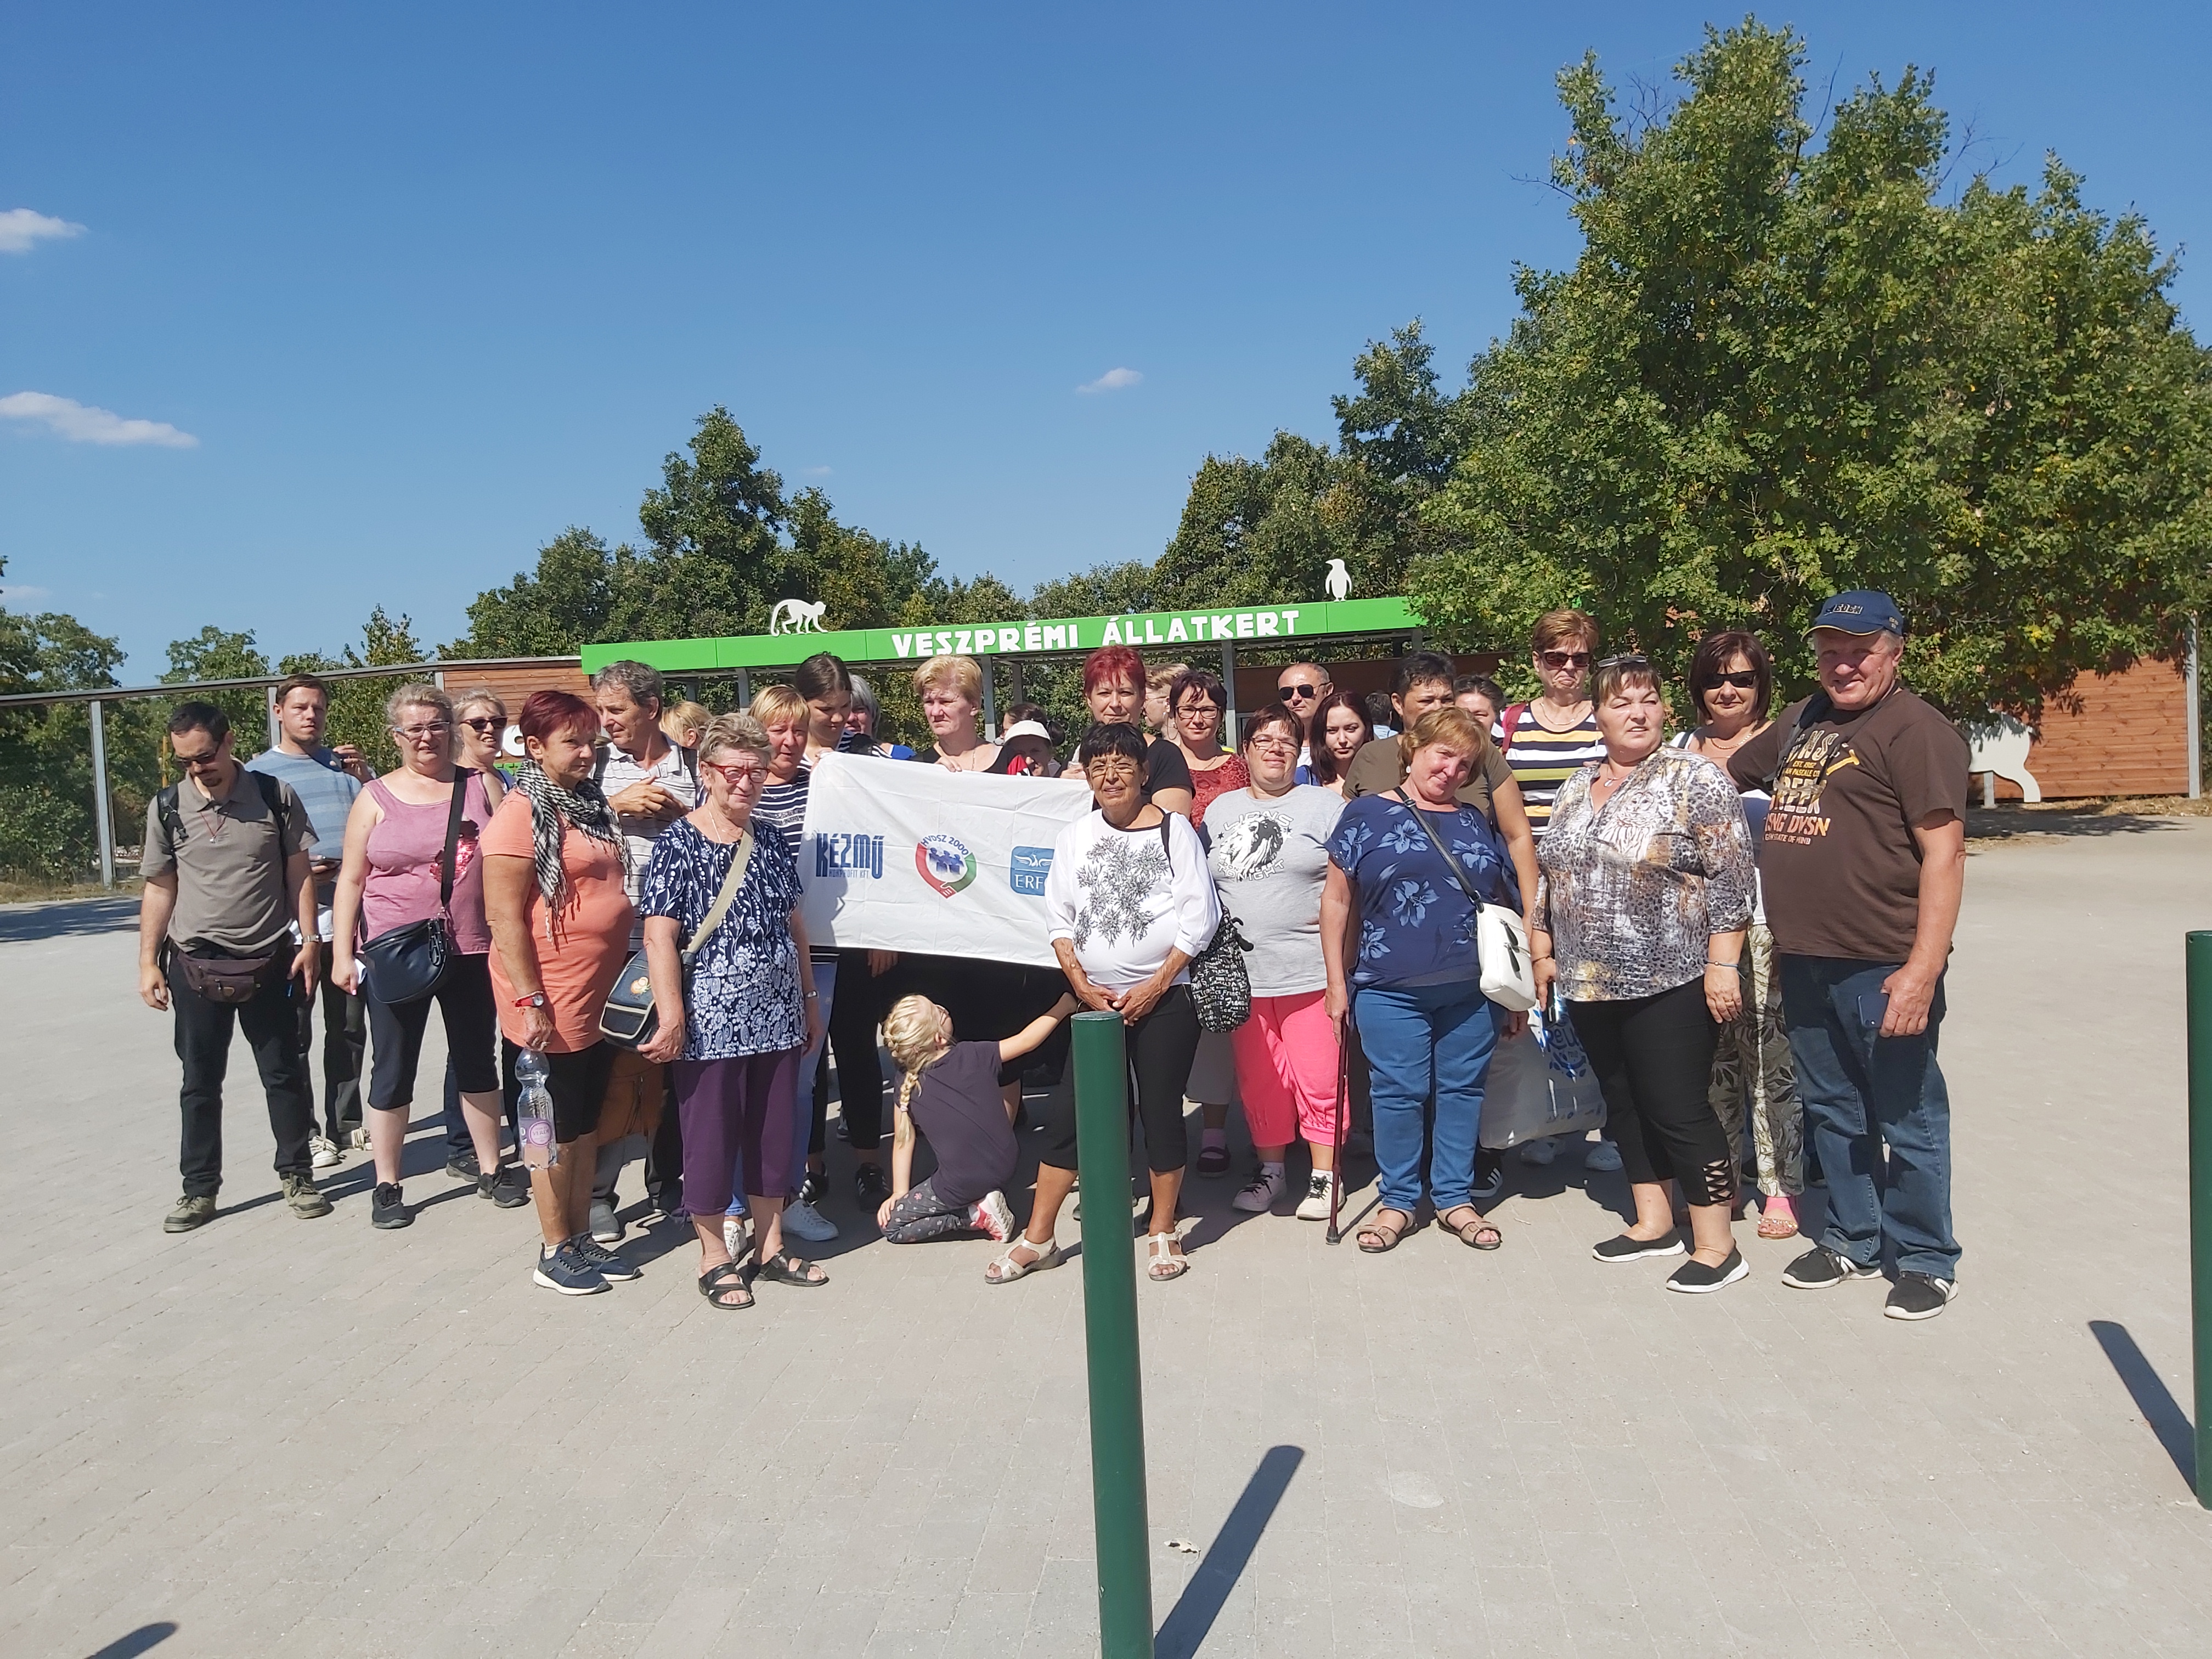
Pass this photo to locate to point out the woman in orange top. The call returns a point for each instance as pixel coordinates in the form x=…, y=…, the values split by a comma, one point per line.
x=560, y=929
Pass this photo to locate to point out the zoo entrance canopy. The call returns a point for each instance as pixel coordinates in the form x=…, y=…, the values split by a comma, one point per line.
x=1271, y=625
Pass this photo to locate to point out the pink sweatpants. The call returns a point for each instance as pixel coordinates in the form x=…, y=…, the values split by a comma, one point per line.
x=1286, y=1070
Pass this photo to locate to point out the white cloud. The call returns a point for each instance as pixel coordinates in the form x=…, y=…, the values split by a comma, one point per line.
x=814, y=471
x=20, y=227
x=82, y=424
x=1114, y=380
x=19, y=591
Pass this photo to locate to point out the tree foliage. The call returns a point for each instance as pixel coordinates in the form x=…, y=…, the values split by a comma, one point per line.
x=1778, y=369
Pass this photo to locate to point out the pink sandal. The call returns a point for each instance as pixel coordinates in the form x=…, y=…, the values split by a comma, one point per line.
x=1777, y=1218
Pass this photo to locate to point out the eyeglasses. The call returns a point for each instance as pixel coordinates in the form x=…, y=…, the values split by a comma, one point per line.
x=481, y=723
x=736, y=776
x=1564, y=659
x=1111, y=767
x=1299, y=689
x=422, y=733
x=1276, y=745
x=1743, y=679
x=1200, y=708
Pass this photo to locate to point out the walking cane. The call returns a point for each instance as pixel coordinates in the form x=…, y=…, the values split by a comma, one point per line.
x=1343, y=1090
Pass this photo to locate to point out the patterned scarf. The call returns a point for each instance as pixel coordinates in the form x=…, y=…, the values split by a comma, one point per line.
x=585, y=807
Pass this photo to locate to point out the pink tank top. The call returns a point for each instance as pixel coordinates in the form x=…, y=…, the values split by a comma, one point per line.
x=403, y=865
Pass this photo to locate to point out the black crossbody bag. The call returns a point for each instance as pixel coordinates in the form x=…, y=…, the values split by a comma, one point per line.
x=408, y=962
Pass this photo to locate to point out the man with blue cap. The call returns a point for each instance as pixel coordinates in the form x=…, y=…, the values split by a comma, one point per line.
x=1863, y=865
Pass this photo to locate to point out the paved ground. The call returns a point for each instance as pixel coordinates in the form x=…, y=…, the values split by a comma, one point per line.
x=306, y=1437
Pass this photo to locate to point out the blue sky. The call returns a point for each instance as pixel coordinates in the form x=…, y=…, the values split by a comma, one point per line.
x=423, y=285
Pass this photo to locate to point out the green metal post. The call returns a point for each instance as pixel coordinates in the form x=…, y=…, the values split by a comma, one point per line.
x=2200, y=1197
x=1118, y=1509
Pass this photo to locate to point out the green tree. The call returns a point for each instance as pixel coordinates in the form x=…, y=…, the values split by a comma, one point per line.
x=714, y=563
x=47, y=822
x=554, y=610
x=1779, y=369
x=213, y=653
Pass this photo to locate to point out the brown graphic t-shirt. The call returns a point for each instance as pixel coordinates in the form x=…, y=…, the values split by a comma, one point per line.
x=1838, y=862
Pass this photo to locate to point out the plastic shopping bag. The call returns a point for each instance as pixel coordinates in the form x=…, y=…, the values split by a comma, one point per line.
x=1540, y=1084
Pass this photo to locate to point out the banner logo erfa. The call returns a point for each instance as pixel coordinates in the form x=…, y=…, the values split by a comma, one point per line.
x=945, y=863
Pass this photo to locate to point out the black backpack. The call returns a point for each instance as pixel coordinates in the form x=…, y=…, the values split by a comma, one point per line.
x=272, y=797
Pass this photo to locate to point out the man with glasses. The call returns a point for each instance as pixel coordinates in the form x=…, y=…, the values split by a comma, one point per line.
x=227, y=879
x=1301, y=686
x=326, y=781
x=650, y=783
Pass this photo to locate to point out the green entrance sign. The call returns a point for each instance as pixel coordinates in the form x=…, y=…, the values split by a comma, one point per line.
x=1274, y=625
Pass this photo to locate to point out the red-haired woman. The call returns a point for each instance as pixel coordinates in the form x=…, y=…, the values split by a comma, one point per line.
x=560, y=929
x=1114, y=686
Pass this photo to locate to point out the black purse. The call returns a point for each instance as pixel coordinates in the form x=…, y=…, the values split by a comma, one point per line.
x=1220, y=985
x=408, y=962
x=629, y=1020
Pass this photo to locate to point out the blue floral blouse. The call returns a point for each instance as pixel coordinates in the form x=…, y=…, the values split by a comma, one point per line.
x=1416, y=925
x=743, y=997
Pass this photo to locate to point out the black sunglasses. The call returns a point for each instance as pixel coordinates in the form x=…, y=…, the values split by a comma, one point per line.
x=481, y=723
x=1297, y=690
x=1743, y=679
x=1566, y=659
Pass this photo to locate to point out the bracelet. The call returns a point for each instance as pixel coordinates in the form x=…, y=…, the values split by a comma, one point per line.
x=1710, y=963
x=812, y=996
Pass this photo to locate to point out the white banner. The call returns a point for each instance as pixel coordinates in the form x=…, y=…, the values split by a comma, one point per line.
x=898, y=856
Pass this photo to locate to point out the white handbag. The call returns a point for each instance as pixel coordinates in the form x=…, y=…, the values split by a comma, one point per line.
x=1508, y=972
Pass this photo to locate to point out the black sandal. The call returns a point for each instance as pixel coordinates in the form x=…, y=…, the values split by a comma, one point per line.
x=1470, y=1233
x=720, y=1280
x=785, y=1268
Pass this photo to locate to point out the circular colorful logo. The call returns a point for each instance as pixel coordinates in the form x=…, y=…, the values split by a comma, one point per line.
x=945, y=863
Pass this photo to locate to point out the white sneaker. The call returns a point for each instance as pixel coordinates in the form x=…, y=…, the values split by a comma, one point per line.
x=1259, y=1194
x=1603, y=1155
x=803, y=1220
x=324, y=1153
x=1539, y=1152
x=1321, y=1187
x=357, y=1139
x=733, y=1237
x=991, y=1217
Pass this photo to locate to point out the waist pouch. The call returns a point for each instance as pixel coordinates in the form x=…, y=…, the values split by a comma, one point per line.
x=226, y=979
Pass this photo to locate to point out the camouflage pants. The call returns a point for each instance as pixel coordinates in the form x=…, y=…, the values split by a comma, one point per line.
x=1750, y=1065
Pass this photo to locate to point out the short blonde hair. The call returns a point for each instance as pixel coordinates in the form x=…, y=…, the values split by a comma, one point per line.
x=961, y=674
x=1450, y=726
x=1160, y=679
x=480, y=696
x=738, y=731
x=685, y=717
x=776, y=703
x=418, y=694
x=1565, y=626
x=917, y=1032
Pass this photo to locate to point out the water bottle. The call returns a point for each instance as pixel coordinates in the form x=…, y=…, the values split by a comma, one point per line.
x=533, y=1112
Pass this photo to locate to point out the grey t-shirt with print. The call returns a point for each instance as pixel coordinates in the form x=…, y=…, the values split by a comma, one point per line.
x=1269, y=860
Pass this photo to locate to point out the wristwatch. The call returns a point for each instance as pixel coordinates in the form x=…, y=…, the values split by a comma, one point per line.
x=535, y=1000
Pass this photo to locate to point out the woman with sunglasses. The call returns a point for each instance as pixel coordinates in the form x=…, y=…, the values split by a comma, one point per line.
x=394, y=865
x=479, y=720
x=1732, y=687
x=1545, y=741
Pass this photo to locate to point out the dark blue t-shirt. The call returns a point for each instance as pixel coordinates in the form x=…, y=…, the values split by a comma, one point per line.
x=1416, y=925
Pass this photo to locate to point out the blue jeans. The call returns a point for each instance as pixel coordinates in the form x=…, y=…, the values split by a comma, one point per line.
x=1420, y=1037
x=1860, y=1092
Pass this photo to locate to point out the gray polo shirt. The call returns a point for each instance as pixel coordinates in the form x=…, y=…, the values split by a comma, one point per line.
x=231, y=891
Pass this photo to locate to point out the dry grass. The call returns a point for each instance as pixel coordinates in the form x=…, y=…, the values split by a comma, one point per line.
x=21, y=889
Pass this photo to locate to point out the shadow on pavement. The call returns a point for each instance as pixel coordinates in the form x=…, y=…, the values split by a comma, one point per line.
x=2151, y=1397
x=1203, y=1598
x=139, y=1640
x=67, y=918
x=2012, y=822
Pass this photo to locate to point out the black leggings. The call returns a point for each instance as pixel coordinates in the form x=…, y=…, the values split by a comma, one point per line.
x=1161, y=1046
x=860, y=1001
x=1653, y=1057
x=464, y=998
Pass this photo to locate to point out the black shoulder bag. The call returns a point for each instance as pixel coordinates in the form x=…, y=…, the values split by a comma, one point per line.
x=409, y=962
x=1220, y=984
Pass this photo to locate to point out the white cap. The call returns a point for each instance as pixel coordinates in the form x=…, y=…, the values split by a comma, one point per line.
x=1025, y=729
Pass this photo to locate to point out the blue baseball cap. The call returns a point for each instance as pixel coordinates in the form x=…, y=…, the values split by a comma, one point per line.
x=1862, y=610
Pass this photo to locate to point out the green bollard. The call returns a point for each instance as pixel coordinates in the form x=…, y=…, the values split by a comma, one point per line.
x=2199, y=951
x=1118, y=1510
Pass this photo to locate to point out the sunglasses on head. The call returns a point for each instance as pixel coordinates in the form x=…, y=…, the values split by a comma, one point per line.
x=1743, y=679
x=1627, y=659
x=1564, y=659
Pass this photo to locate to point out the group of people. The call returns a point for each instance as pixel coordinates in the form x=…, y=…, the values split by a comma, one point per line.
x=1743, y=916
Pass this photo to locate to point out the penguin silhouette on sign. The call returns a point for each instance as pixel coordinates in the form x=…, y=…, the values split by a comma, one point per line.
x=1338, y=582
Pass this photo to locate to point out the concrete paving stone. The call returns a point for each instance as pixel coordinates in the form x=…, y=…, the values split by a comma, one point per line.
x=340, y=1442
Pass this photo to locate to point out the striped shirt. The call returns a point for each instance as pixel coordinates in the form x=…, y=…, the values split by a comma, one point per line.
x=1542, y=760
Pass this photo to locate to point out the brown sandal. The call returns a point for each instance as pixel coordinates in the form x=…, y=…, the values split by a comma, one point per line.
x=1379, y=1229
x=1471, y=1233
